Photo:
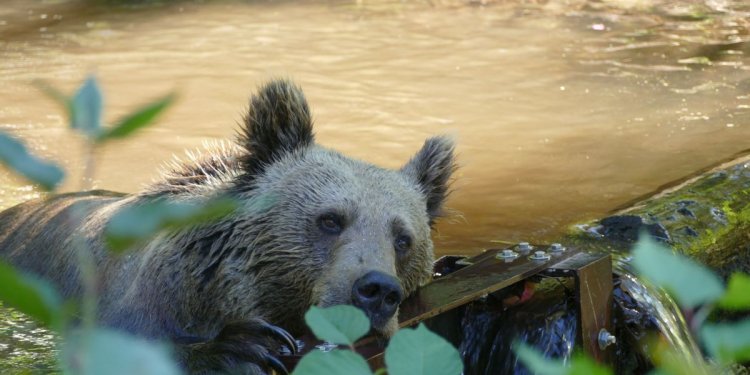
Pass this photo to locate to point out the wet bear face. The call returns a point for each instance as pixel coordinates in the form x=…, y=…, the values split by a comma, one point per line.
x=338, y=230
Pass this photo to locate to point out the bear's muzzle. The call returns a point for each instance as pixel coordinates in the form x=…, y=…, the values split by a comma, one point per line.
x=378, y=295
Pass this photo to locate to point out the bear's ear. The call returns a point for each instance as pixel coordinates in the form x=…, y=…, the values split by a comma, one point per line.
x=277, y=123
x=432, y=168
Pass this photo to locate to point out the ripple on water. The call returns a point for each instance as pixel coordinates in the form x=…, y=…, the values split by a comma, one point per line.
x=24, y=345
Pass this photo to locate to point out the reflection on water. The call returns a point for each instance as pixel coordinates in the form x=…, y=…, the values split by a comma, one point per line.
x=562, y=110
x=23, y=345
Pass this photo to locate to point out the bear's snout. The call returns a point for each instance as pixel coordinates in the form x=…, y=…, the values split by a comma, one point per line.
x=378, y=295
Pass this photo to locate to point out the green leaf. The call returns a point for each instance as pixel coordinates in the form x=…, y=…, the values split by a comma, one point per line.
x=341, y=324
x=537, y=363
x=30, y=295
x=133, y=224
x=15, y=155
x=737, y=296
x=689, y=282
x=419, y=351
x=110, y=352
x=728, y=342
x=138, y=119
x=87, y=106
x=669, y=361
x=583, y=365
x=57, y=95
x=335, y=362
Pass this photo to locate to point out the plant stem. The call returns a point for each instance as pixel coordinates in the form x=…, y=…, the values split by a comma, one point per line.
x=83, y=252
x=699, y=317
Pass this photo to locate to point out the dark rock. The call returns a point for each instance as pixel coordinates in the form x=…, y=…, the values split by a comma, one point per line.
x=686, y=212
x=719, y=215
x=626, y=228
x=658, y=231
x=688, y=232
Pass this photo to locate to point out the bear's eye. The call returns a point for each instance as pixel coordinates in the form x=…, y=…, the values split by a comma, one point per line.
x=330, y=223
x=403, y=243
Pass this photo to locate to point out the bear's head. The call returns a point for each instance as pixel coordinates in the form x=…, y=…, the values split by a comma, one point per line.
x=334, y=230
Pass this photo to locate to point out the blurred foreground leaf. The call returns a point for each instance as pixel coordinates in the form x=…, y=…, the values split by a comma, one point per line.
x=85, y=110
x=57, y=95
x=335, y=362
x=583, y=365
x=105, y=351
x=671, y=362
x=34, y=297
x=15, y=155
x=539, y=364
x=728, y=342
x=135, y=223
x=689, y=282
x=737, y=296
x=87, y=104
x=340, y=324
x=421, y=352
x=138, y=119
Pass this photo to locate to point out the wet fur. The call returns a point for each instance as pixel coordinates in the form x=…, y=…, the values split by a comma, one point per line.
x=267, y=262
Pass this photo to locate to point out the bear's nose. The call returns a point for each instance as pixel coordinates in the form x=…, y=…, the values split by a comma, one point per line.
x=378, y=294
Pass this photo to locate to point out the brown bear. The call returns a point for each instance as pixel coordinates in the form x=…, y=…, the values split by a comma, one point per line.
x=313, y=227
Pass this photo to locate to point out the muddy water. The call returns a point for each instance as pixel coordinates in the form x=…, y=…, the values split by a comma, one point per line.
x=561, y=110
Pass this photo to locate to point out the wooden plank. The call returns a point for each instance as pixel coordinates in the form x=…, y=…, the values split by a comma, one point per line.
x=486, y=274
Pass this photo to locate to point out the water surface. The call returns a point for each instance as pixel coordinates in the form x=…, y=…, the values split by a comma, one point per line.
x=561, y=110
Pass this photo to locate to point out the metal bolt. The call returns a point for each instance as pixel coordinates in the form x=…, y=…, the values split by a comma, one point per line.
x=606, y=339
x=326, y=347
x=556, y=248
x=507, y=254
x=540, y=255
x=524, y=246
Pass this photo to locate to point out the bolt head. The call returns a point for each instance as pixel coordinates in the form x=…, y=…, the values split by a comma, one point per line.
x=524, y=246
x=556, y=247
x=606, y=339
x=540, y=255
x=507, y=254
x=326, y=346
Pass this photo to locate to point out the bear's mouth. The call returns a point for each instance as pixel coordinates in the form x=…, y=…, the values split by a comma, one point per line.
x=380, y=326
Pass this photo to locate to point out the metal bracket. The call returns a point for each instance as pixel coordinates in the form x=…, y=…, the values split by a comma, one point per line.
x=593, y=278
